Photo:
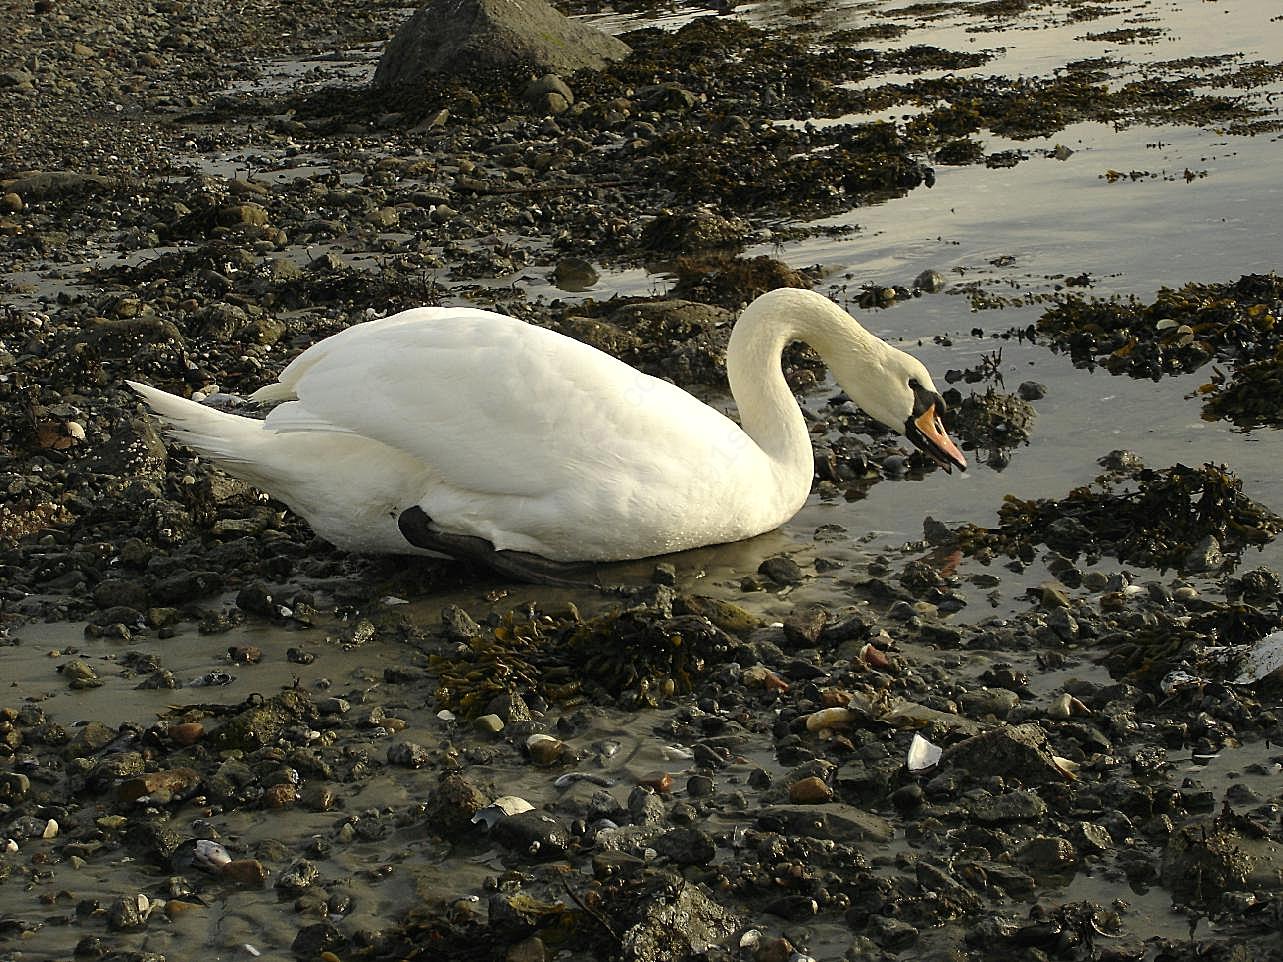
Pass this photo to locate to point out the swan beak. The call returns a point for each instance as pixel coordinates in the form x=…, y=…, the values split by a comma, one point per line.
x=927, y=432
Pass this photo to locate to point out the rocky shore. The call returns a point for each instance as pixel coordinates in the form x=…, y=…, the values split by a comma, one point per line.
x=223, y=737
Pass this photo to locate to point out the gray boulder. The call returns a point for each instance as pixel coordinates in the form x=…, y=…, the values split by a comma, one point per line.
x=460, y=36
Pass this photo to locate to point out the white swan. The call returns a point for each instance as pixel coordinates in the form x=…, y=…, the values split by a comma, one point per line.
x=463, y=432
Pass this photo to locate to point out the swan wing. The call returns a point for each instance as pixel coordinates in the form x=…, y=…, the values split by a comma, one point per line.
x=495, y=406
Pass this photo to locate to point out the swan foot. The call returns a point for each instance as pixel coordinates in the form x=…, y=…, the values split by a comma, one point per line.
x=422, y=532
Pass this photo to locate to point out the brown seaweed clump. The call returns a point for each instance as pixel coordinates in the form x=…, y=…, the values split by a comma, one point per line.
x=632, y=656
x=1249, y=397
x=1182, y=330
x=1156, y=518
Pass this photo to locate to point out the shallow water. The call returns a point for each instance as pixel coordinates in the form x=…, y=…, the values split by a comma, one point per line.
x=1055, y=218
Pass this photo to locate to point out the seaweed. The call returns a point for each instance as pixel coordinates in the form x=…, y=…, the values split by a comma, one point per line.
x=1155, y=518
x=632, y=657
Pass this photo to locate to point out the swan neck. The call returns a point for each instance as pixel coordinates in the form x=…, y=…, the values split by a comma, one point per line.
x=769, y=412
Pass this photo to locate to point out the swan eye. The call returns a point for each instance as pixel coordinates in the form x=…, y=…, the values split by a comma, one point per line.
x=924, y=398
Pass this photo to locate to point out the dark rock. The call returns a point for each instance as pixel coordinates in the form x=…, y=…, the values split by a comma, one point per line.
x=126, y=593
x=297, y=878
x=451, y=807
x=548, y=94
x=533, y=834
x=1017, y=806
x=782, y=570
x=1203, y=861
x=1048, y=855
x=261, y=725
x=186, y=586
x=313, y=941
x=256, y=599
x=892, y=934
x=461, y=36
x=833, y=820
x=408, y=755
x=687, y=846
x=677, y=928
x=128, y=913
x=457, y=624
x=803, y=628
x=1012, y=751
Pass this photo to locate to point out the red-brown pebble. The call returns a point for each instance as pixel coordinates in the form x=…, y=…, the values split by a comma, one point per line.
x=810, y=791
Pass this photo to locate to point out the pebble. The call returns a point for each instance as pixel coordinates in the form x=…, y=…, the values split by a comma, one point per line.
x=810, y=791
x=545, y=750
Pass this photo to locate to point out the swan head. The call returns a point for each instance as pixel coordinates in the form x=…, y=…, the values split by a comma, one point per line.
x=900, y=393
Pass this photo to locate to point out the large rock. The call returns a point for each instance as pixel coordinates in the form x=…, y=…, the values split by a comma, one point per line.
x=461, y=36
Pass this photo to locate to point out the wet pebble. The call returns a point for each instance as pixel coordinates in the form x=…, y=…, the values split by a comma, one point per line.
x=298, y=878
x=782, y=570
x=811, y=791
x=129, y=913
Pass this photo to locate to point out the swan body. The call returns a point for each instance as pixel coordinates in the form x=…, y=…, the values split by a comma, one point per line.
x=533, y=442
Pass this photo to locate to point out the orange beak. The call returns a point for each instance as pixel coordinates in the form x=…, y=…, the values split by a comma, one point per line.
x=932, y=438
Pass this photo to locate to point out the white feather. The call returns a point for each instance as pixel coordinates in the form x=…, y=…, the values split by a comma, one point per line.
x=534, y=441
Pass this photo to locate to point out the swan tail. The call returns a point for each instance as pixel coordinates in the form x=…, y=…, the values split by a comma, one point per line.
x=228, y=438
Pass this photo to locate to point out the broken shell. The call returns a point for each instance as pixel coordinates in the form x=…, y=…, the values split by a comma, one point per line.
x=502, y=807
x=762, y=677
x=829, y=718
x=923, y=754
x=1066, y=705
x=876, y=658
x=1067, y=767
x=209, y=856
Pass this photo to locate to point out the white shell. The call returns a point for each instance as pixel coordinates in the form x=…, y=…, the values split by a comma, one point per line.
x=1265, y=659
x=505, y=806
x=923, y=754
x=209, y=856
x=829, y=718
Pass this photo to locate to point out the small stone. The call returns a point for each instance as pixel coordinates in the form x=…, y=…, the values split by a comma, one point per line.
x=245, y=654
x=173, y=783
x=661, y=782
x=699, y=786
x=930, y=281
x=782, y=570
x=811, y=791
x=545, y=750
x=245, y=871
x=1031, y=391
x=527, y=950
x=687, y=846
x=1090, y=838
x=1012, y=751
x=534, y=834
x=408, y=754
x=1205, y=556
x=1048, y=855
x=297, y=878
x=129, y=913
x=186, y=733
x=490, y=724
x=1017, y=806
x=664, y=574
x=892, y=934
x=283, y=795
x=998, y=702
x=80, y=676
x=802, y=628
x=457, y=624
